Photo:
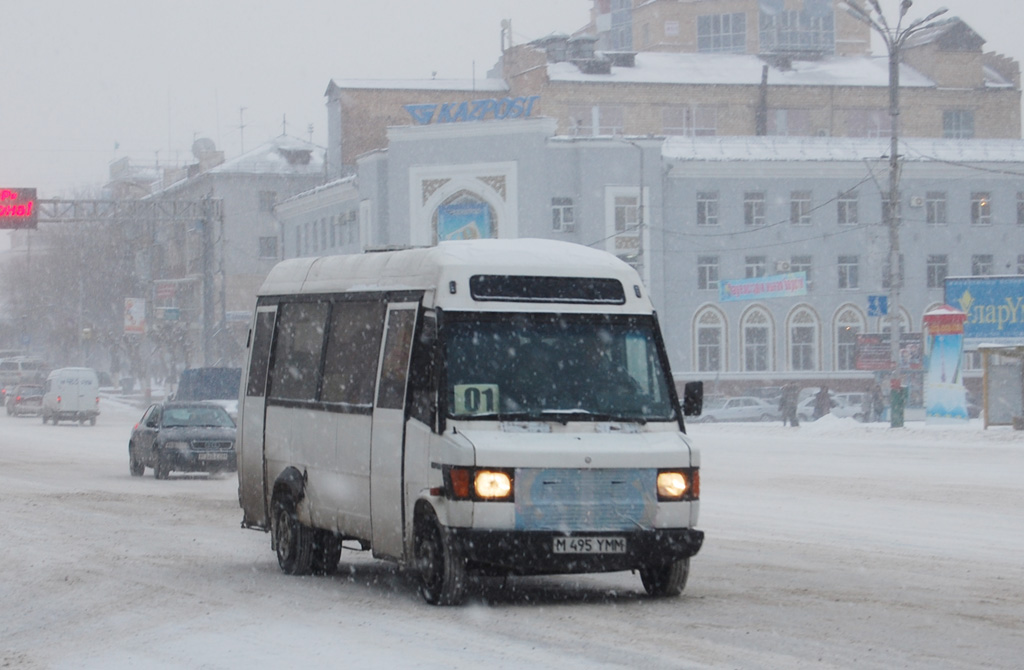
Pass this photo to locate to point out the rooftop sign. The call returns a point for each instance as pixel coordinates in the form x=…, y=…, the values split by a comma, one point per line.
x=18, y=208
x=472, y=110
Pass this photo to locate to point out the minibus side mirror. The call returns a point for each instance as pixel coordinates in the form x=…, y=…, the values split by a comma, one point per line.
x=693, y=398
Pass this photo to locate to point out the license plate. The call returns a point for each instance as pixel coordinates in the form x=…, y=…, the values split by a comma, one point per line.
x=213, y=457
x=589, y=545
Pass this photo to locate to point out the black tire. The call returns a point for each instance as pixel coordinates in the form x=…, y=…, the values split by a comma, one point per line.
x=293, y=541
x=162, y=469
x=326, y=552
x=135, y=465
x=441, y=567
x=666, y=580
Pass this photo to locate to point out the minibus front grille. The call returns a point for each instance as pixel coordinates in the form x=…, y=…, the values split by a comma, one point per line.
x=571, y=500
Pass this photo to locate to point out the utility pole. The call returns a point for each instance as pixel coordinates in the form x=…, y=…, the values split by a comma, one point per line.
x=894, y=39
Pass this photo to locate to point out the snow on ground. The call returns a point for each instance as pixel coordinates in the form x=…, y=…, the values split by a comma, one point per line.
x=831, y=545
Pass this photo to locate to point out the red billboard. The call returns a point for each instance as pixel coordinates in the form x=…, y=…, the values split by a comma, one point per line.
x=18, y=208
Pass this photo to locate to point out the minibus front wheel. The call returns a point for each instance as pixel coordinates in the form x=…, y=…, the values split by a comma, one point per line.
x=666, y=580
x=293, y=541
x=440, y=564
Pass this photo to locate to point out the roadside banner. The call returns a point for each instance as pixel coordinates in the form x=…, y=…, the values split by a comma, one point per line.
x=134, y=316
x=945, y=398
x=761, y=288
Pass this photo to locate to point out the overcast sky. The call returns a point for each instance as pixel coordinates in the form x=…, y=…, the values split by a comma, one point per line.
x=86, y=82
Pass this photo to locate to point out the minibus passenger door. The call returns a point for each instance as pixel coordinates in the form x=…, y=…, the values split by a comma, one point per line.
x=251, y=414
x=387, y=438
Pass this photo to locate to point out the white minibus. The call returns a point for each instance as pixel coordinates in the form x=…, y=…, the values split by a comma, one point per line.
x=484, y=407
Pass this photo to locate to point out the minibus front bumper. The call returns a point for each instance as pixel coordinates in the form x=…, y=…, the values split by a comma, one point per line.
x=549, y=552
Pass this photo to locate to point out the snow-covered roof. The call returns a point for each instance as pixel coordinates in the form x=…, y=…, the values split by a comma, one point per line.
x=743, y=69
x=839, y=149
x=281, y=155
x=488, y=85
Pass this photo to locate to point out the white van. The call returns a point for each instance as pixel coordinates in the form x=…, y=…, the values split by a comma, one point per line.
x=71, y=394
x=486, y=407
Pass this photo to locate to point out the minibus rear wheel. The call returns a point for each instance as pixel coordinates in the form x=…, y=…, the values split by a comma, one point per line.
x=441, y=567
x=293, y=540
x=666, y=580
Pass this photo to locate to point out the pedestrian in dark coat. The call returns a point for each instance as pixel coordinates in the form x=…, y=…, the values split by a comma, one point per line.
x=787, y=404
x=822, y=403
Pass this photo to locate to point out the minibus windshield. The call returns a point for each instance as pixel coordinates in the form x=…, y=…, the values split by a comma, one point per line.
x=564, y=367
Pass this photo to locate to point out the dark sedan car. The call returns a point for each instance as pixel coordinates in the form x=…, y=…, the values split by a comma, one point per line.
x=25, y=399
x=183, y=437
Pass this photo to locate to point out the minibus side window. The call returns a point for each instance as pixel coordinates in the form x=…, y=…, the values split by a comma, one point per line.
x=421, y=373
x=350, y=366
x=259, y=359
x=296, y=362
x=396, y=359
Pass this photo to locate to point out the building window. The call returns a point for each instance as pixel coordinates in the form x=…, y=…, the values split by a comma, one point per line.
x=323, y=234
x=307, y=239
x=563, y=217
x=849, y=273
x=267, y=201
x=846, y=208
x=722, y=33
x=982, y=265
x=707, y=208
x=935, y=207
x=1020, y=209
x=801, y=264
x=803, y=339
x=756, y=341
x=596, y=119
x=849, y=324
x=784, y=122
x=868, y=123
x=800, y=208
x=334, y=231
x=298, y=240
x=790, y=31
x=1020, y=264
x=753, y=208
x=887, y=273
x=268, y=247
x=689, y=120
x=958, y=124
x=626, y=213
x=938, y=270
x=756, y=266
x=707, y=272
x=710, y=338
x=981, y=209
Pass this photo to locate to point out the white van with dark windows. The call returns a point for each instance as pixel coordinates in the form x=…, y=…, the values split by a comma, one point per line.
x=486, y=407
x=71, y=394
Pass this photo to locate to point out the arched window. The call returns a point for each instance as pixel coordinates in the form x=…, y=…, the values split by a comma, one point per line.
x=803, y=332
x=848, y=324
x=710, y=340
x=464, y=216
x=757, y=340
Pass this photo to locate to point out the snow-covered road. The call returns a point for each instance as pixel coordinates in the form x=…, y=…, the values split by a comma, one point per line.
x=832, y=545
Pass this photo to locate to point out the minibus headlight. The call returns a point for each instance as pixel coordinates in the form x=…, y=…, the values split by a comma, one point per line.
x=679, y=485
x=492, y=485
x=483, y=484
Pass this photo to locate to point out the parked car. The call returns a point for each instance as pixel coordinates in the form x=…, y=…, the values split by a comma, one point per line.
x=740, y=408
x=850, y=404
x=184, y=437
x=25, y=399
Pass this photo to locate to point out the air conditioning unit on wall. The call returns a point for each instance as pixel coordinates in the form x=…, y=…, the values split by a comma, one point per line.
x=917, y=201
x=782, y=266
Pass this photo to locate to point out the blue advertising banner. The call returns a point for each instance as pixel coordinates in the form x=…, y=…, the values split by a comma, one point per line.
x=944, y=392
x=761, y=288
x=464, y=221
x=994, y=307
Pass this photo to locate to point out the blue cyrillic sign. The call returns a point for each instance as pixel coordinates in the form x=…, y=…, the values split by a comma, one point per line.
x=473, y=110
x=994, y=307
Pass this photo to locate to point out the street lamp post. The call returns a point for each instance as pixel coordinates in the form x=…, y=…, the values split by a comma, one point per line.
x=894, y=39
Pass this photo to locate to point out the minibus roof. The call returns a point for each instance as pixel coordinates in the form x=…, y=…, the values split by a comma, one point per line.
x=432, y=269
